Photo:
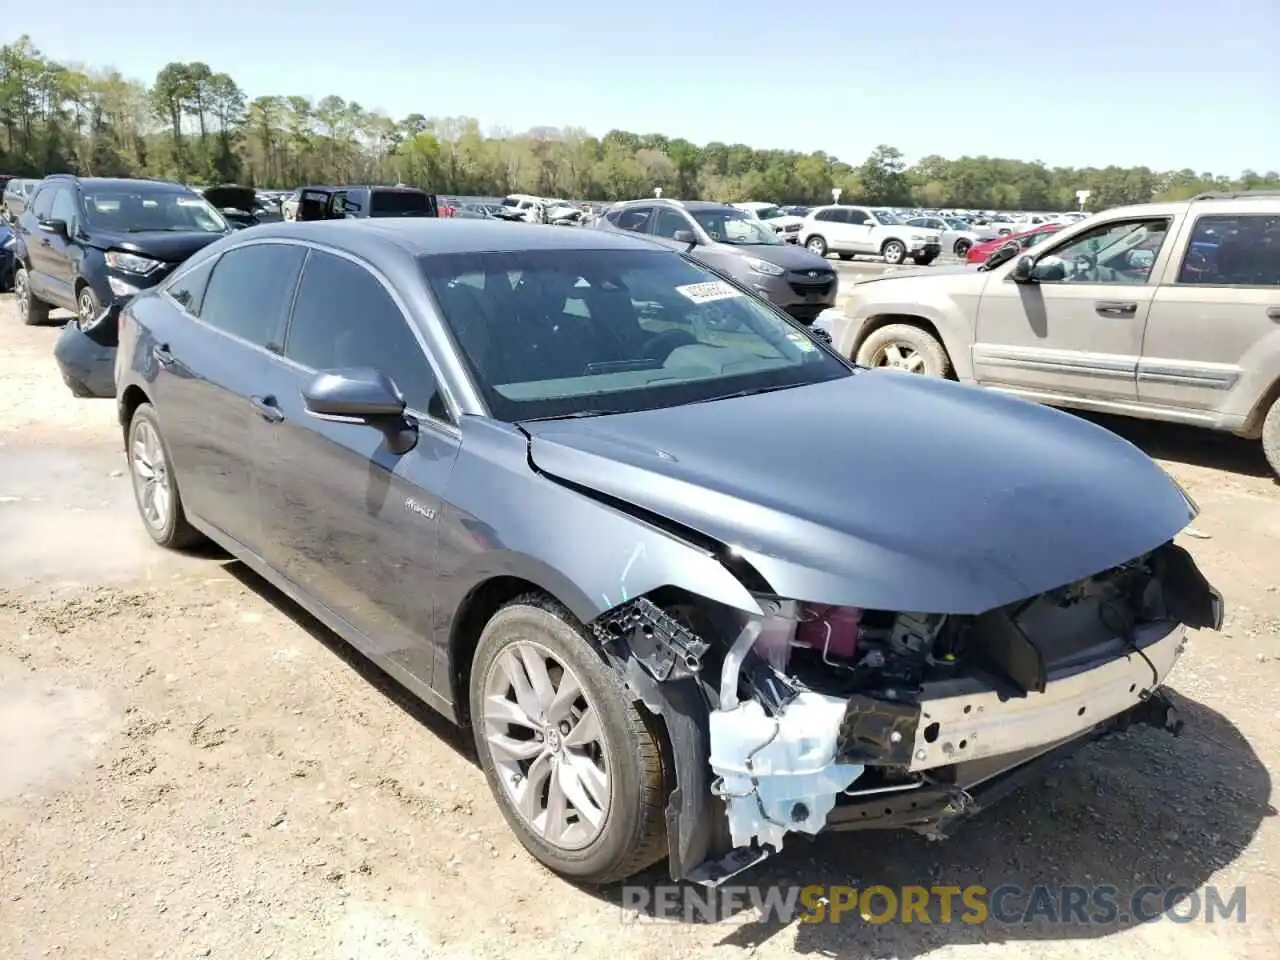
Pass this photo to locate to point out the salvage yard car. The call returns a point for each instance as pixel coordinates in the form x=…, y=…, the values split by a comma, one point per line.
x=1167, y=311
x=569, y=488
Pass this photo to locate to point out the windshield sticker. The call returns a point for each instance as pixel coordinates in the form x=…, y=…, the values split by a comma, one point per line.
x=709, y=292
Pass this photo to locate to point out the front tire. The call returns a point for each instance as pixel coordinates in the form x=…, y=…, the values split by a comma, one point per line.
x=962, y=248
x=572, y=760
x=155, y=488
x=32, y=311
x=907, y=349
x=1271, y=437
x=894, y=252
x=87, y=307
x=816, y=245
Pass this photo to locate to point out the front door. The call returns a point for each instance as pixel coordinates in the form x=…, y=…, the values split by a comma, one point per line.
x=1220, y=299
x=857, y=234
x=208, y=367
x=348, y=521
x=1075, y=331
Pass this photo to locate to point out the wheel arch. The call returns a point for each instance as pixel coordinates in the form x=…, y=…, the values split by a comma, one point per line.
x=130, y=400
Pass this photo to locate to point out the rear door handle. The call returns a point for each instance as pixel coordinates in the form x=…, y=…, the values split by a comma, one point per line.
x=1116, y=308
x=267, y=408
x=1273, y=313
x=163, y=355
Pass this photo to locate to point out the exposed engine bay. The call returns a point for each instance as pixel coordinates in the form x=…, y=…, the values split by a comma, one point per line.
x=812, y=717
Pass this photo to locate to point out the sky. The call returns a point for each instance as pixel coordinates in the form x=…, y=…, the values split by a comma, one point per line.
x=1167, y=84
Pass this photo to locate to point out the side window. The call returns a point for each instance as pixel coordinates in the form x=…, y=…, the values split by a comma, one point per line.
x=919, y=222
x=248, y=293
x=668, y=221
x=65, y=209
x=824, y=215
x=635, y=219
x=188, y=289
x=859, y=217
x=1241, y=250
x=344, y=317
x=42, y=204
x=1119, y=252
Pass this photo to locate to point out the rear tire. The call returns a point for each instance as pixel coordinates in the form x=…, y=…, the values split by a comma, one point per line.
x=962, y=248
x=909, y=349
x=542, y=646
x=155, y=487
x=1271, y=437
x=32, y=311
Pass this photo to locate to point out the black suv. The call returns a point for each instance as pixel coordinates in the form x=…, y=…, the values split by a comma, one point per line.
x=338, y=203
x=89, y=243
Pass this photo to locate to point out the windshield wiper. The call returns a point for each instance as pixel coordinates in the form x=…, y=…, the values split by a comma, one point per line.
x=576, y=415
x=748, y=392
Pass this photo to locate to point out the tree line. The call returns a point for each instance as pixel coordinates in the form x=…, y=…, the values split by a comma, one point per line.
x=197, y=125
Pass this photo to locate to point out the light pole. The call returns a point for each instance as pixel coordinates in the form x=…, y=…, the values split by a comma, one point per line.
x=657, y=192
x=1082, y=197
x=835, y=194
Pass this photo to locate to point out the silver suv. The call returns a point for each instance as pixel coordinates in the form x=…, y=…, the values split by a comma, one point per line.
x=1166, y=311
x=735, y=244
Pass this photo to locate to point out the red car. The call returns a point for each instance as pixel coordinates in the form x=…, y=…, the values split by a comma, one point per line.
x=979, y=252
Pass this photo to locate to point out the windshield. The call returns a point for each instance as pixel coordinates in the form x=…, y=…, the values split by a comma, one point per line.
x=887, y=216
x=138, y=211
x=551, y=333
x=770, y=213
x=734, y=226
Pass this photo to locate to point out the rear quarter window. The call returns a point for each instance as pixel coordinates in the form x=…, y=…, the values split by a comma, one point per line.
x=400, y=203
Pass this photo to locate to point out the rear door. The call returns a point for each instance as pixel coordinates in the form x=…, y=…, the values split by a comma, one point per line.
x=347, y=520
x=210, y=360
x=1203, y=351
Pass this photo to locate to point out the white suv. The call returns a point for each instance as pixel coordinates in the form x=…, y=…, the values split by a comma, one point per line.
x=869, y=231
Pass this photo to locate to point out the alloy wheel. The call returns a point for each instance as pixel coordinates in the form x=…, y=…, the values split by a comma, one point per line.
x=544, y=736
x=22, y=292
x=86, y=311
x=900, y=356
x=151, y=481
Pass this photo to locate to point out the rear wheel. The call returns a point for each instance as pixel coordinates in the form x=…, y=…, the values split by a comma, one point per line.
x=893, y=251
x=962, y=248
x=155, y=488
x=573, y=761
x=816, y=244
x=906, y=349
x=1271, y=437
x=31, y=310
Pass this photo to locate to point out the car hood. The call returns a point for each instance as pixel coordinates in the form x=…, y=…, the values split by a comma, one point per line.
x=784, y=221
x=157, y=244
x=785, y=255
x=232, y=198
x=918, y=274
x=880, y=490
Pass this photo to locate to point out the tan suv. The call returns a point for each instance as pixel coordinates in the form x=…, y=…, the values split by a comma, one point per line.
x=1167, y=311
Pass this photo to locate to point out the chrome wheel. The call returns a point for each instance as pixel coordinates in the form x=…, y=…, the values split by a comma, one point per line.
x=900, y=356
x=544, y=737
x=151, y=481
x=86, y=310
x=22, y=291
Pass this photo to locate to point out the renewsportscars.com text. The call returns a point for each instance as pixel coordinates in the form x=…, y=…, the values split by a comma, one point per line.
x=1006, y=904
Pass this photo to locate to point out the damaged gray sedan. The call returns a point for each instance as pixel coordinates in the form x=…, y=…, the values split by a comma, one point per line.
x=697, y=585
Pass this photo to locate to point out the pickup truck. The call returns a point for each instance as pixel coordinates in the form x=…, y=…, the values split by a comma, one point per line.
x=1166, y=311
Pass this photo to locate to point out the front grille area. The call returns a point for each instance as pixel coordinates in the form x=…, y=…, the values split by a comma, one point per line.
x=805, y=285
x=791, y=228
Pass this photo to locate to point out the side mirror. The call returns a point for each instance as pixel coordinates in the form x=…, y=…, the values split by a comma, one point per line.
x=1001, y=255
x=362, y=395
x=54, y=226
x=685, y=236
x=1023, y=270
x=1140, y=259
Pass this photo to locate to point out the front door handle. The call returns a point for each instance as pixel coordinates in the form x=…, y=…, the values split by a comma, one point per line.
x=163, y=355
x=1116, y=308
x=267, y=408
x=1273, y=313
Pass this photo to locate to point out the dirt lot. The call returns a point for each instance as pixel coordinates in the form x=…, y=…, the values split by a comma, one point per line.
x=189, y=766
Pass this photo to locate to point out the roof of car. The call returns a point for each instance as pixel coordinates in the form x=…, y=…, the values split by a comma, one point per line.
x=431, y=235
x=125, y=182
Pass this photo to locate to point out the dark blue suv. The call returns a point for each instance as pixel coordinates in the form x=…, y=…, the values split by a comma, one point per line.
x=88, y=244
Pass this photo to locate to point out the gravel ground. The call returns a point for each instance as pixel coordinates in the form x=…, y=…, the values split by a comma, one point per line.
x=190, y=767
